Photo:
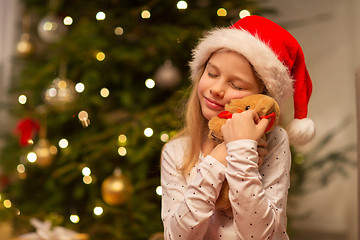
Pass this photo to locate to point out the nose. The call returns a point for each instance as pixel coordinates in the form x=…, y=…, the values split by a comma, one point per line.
x=218, y=89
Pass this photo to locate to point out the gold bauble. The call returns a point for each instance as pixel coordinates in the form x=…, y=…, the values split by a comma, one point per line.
x=25, y=47
x=116, y=189
x=44, y=152
x=61, y=93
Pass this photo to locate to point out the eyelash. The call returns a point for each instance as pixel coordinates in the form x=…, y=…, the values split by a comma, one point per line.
x=211, y=75
x=236, y=87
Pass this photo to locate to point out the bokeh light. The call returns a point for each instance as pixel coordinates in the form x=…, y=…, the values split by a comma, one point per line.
x=22, y=99
x=68, y=20
x=104, y=92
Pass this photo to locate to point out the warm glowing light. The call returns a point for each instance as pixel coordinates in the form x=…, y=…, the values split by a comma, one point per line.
x=74, y=218
x=145, y=14
x=119, y=31
x=52, y=92
x=53, y=149
x=22, y=99
x=182, y=5
x=83, y=115
x=244, y=13
x=68, y=20
x=100, y=56
x=104, y=92
x=98, y=211
x=100, y=16
x=86, y=171
x=149, y=83
x=87, y=179
x=122, y=138
x=79, y=87
x=122, y=151
x=20, y=168
x=63, y=143
x=48, y=26
x=159, y=190
x=31, y=157
x=221, y=12
x=62, y=84
x=164, y=137
x=7, y=203
x=148, y=132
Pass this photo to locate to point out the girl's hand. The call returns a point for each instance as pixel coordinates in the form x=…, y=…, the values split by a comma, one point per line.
x=219, y=153
x=245, y=125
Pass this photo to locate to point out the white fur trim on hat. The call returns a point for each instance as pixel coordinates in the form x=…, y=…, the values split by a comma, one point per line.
x=301, y=131
x=273, y=73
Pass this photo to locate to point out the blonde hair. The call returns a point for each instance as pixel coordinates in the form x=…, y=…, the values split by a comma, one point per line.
x=196, y=125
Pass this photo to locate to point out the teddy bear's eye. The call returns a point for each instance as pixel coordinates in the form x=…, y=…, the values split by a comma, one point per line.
x=247, y=108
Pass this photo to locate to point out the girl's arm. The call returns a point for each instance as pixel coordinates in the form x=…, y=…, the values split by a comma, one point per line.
x=187, y=207
x=259, y=199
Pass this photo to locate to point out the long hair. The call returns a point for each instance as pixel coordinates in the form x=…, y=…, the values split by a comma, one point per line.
x=195, y=127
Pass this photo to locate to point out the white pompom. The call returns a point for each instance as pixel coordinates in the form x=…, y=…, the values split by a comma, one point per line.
x=301, y=131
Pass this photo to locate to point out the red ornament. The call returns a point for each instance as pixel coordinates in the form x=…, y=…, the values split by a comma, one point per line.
x=26, y=129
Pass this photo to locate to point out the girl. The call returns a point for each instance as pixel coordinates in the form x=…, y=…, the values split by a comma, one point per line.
x=255, y=55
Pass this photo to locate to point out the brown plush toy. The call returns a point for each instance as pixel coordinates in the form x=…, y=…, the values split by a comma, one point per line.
x=265, y=106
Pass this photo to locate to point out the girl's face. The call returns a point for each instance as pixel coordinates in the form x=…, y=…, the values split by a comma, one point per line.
x=228, y=75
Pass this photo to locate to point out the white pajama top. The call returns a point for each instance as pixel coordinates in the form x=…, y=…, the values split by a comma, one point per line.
x=258, y=198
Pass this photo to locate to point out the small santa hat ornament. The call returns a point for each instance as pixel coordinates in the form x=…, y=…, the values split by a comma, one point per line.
x=276, y=57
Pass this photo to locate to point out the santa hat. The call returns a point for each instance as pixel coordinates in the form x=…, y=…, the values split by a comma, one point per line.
x=277, y=58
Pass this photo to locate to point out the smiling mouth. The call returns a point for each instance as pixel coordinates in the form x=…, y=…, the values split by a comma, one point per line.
x=213, y=104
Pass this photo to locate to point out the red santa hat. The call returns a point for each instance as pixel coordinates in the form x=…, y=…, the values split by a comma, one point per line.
x=277, y=58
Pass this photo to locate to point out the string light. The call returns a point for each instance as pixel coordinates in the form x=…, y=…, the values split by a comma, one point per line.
x=68, y=21
x=159, y=190
x=20, y=168
x=100, y=16
x=119, y=31
x=7, y=203
x=150, y=83
x=74, y=218
x=86, y=171
x=244, y=13
x=104, y=92
x=31, y=157
x=145, y=14
x=98, y=211
x=100, y=56
x=53, y=149
x=221, y=12
x=182, y=5
x=79, y=87
x=87, y=179
x=63, y=143
x=122, y=151
x=122, y=138
x=22, y=99
x=148, y=132
x=164, y=137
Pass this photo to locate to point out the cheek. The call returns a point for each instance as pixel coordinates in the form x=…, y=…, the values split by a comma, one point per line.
x=235, y=95
x=201, y=86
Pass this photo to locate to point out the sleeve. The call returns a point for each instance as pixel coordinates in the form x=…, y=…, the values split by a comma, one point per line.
x=259, y=199
x=187, y=208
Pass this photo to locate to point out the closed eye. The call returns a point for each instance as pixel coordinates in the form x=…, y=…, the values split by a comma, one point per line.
x=237, y=87
x=212, y=75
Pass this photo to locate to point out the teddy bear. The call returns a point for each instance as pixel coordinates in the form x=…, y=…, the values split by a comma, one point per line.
x=265, y=106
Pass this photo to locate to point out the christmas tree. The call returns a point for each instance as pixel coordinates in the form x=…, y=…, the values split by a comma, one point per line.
x=99, y=89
